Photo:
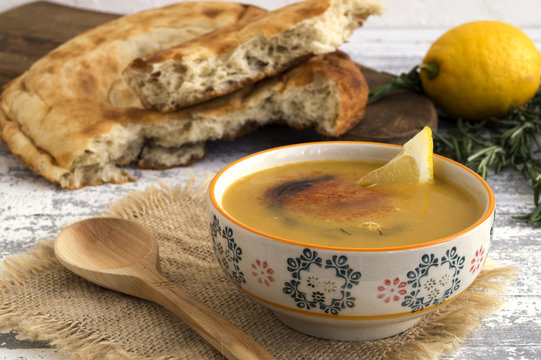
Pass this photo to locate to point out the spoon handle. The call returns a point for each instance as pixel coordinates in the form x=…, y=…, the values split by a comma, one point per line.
x=228, y=339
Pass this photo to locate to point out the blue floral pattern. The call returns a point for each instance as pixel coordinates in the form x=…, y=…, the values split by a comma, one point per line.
x=324, y=284
x=310, y=293
x=434, y=280
x=229, y=256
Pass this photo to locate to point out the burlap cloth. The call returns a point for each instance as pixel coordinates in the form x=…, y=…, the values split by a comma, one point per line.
x=44, y=301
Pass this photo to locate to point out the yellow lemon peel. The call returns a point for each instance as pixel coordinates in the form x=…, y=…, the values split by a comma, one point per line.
x=414, y=164
x=480, y=69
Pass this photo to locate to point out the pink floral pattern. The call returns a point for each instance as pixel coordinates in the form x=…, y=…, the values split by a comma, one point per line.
x=392, y=290
x=477, y=260
x=262, y=272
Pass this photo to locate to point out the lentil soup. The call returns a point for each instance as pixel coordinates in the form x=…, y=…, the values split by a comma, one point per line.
x=321, y=203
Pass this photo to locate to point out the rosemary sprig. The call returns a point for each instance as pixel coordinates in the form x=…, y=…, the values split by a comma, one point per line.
x=409, y=80
x=493, y=144
x=498, y=143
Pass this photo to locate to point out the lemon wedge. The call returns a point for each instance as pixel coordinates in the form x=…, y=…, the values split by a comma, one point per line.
x=412, y=165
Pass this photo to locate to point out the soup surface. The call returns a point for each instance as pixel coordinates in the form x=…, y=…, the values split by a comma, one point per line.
x=320, y=202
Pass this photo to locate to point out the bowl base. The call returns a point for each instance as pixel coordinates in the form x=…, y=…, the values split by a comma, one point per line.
x=346, y=333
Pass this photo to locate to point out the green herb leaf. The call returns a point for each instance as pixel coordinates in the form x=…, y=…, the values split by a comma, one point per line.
x=499, y=143
x=410, y=81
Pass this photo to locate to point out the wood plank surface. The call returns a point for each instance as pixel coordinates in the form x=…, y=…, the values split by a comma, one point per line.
x=32, y=30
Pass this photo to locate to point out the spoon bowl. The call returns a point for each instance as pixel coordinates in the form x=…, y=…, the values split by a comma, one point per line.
x=123, y=256
x=83, y=244
x=112, y=253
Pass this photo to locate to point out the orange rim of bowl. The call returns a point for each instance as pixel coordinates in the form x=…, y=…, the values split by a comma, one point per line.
x=485, y=216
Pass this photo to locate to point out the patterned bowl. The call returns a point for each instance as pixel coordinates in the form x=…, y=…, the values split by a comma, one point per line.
x=347, y=293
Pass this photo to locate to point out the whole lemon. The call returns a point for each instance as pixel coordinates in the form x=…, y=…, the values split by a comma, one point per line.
x=480, y=69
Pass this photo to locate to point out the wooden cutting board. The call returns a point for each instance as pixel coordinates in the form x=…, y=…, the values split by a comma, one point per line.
x=30, y=31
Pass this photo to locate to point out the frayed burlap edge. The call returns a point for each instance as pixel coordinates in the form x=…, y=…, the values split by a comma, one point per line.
x=139, y=202
x=68, y=337
x=446, y=329
x=442, y=331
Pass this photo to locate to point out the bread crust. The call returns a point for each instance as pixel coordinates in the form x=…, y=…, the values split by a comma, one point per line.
x=220, y=41
x=165, y=80
x=70, y=116
x=52, y=111
x=352, y=86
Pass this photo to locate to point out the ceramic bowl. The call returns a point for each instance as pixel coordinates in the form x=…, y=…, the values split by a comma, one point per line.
x=347, y=293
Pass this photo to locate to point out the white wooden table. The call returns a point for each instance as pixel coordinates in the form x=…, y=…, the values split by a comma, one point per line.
x=31, y=208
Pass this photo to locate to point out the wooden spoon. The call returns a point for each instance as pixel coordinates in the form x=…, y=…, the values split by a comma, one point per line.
x=123, y=256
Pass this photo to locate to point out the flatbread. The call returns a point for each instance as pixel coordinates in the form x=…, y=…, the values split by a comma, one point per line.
x=229, y=58
x=72, y=119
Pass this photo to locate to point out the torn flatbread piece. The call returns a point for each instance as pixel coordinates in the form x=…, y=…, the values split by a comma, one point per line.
x=71, y=118
x=229, y=58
